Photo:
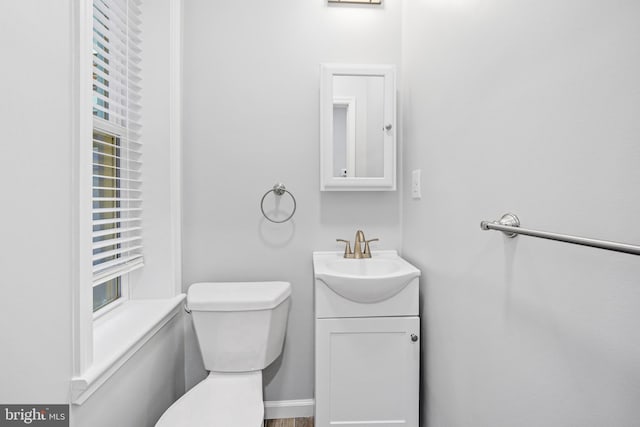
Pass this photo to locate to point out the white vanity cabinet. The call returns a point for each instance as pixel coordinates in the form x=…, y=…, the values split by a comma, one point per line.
x=367, y=355
x=367, y=371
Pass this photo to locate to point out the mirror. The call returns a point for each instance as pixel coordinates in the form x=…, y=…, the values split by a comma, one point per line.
x=357, y=119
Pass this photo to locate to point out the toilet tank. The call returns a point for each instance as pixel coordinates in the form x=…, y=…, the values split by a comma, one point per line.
x=240, y=326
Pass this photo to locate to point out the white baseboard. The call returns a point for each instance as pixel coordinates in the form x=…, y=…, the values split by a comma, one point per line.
x=276, y=409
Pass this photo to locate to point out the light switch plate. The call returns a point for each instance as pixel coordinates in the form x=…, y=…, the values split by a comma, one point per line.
x=416, y=191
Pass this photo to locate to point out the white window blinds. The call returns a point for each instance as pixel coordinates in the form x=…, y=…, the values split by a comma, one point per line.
x=117, y=185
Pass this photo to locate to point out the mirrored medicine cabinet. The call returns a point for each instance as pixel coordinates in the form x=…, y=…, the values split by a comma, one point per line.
x=357, y=127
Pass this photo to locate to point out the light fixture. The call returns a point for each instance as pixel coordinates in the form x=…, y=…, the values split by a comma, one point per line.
x=356, y=1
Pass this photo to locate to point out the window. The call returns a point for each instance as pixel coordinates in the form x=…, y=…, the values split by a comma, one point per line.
x=116, y=180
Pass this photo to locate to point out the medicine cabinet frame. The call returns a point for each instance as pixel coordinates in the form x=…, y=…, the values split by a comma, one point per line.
x=329, y=182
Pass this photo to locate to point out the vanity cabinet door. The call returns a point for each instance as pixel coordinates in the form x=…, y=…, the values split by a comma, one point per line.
x=367, y=371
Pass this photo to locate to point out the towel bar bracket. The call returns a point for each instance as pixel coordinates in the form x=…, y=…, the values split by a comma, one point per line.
x=508, y=219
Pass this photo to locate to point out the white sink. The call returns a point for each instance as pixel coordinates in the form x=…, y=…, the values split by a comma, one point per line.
x=365, y=280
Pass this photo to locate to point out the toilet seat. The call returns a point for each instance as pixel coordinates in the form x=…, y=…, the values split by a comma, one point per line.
x=220, y=400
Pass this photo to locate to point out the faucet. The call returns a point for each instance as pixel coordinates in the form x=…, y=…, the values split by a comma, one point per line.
x=357, y=253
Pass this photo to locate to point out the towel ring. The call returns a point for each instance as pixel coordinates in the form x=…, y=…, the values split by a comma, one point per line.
x=279, y=189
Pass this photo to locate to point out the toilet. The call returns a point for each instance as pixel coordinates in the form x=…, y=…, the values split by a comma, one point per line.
x=240, y=328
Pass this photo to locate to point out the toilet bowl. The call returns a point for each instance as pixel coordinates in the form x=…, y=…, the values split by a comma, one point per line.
x=240, y=329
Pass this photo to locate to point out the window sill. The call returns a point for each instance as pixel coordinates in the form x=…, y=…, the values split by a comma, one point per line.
x=118, y=335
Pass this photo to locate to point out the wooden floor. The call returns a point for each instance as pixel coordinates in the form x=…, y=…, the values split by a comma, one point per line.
x=290, y=422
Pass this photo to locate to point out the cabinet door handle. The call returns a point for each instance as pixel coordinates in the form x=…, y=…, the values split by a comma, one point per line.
x=414, y=337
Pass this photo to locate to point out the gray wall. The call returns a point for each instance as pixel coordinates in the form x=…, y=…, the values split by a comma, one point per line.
x=251, y=118
x=528, y=107
x=35, y=308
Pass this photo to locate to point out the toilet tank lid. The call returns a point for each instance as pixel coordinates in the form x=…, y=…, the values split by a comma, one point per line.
x=237, y=296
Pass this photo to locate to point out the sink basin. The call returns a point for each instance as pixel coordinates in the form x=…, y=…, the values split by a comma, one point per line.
x=366, y=280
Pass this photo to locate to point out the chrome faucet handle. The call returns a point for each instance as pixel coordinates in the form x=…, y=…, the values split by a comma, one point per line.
x=367, y=251
x=347, y=248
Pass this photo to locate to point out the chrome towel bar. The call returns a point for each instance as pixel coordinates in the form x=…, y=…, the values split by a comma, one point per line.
x=509, y=224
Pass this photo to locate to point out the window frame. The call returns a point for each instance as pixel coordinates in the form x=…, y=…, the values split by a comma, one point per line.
x=82, y=123
x=161, y=301
x=116, y=53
